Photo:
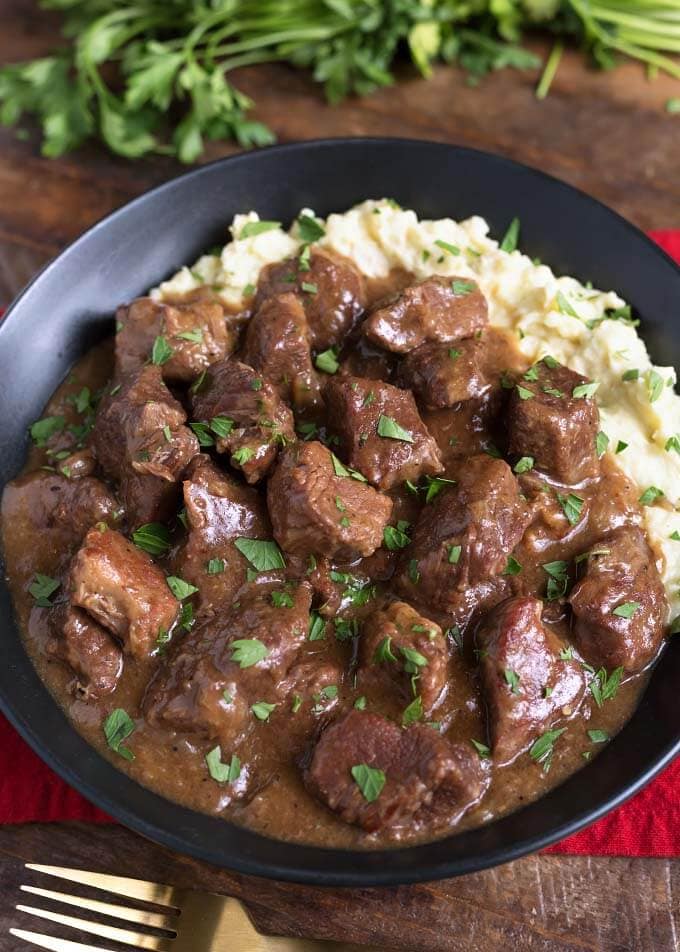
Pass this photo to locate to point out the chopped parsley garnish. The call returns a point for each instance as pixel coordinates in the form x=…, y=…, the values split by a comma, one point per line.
x=511, y=237
x=524, y=464
x=242, y=455
x=672, y=443
x=221, y=426
x=550, y=361
x=161, y=352
x=384, y=651
x=542, y=749
x=186, y=616
x=445, y=246
x=396, y=537
x=564, y=306
x=360, y=703
x=256, y=384
x=152, y=537
x=369, y=780
x=215, y=566
x=222, y=773
x=310, y=229
x=202, y=431
x=179, y=588
x=309, y=287
x=482, y=749
x=553, y=391
x=603, y=687
x=558, y=579
x=307, y=430
x=263, y=554
x=461, y=288
x=413, y=571
x=391, y=430
x=675, y=536
x=512, y=679
x=339, y=504
x=43, y=429
x=194, y=336
x=454, y=554
x=317, y=627
x=248, y=651
x=282, y=600
x=626, y=609
x=532, y=374
x=346, y=629
x=413, y=659
x=655, y=385
x=117, y=727
x=297, y=703
x=621, y=446
x=341, y=470
x=454, y=354
x=252, y=228
x=598, y=736
x=523, y=393
x=631, y=374
x=585, y=389
x=412, y=713
x=41, y=588
x=435, y=484
x=261, y=709
x=512, y=566
x=567, y=654
x=572, y=506
x=327, y=361
x=249, y=290
x=650, y=495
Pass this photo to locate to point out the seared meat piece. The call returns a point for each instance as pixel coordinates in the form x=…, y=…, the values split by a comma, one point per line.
x=51, y=514
x=314, y=510
x=443, y=375
x=219, y=510
x=196, y=333
x=380, y=431
x=88, y=650
x=527, y=685
x=465, y=535
x=262, y=422
x=333, y=294
x=277, y=345
x=239, y=657
x=399, y=645
x=80, y=463
x=438, y=309
x=417, y=765
x=547, y=421
x=140, y=439
x=123, y=590
x=620, y=605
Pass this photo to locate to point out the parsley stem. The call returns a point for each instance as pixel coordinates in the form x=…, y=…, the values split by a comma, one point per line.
x=550, y=70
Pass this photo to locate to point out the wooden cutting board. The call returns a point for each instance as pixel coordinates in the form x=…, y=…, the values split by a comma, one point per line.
x=607, y=134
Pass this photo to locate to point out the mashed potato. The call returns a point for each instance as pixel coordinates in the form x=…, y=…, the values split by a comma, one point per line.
x=550, y=315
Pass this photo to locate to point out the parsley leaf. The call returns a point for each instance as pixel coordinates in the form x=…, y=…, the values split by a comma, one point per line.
x=117, y=727
x=253, y=228
x=161, y=352
x=261, y=709
x=153, y=538
x=264, y=555
x=222, y=773
x=310, y=229
x=248, y=651
x=390, y=429
x=511, y=237
x=370, y=781
x=179, y=588
x=572, y=506
x=327, y=361
x=42, y=587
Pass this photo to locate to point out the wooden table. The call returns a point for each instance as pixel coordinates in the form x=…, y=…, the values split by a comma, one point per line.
x=607, y=134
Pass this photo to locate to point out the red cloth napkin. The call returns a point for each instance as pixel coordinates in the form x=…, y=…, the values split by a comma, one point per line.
x=648, y=825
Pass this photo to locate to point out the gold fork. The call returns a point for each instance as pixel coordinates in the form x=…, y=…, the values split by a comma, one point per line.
x=191, y=921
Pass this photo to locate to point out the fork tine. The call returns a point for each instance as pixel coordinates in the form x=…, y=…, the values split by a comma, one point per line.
x=53, y=944
x=154, y=919
x=132, y=888
x=135, y=939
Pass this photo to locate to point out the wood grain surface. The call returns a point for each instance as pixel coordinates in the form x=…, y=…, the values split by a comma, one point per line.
x=606, y=133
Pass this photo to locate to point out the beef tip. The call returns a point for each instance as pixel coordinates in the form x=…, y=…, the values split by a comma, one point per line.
x=121, y=587
x=88, y=650
x=380, y=431
x=239, y=657
x=261, y=420
x=277, y=345
x=546, y=421
x=416, y=763
x=400, y=646
x=140, y=440
x=465, y=535
x=445, y=375
x=333, y=296
x=439, y=309
x=196, y=333
x=620, y=571
x=219, y=510
x=527, y=685
x=49, y=515
x=314, y=510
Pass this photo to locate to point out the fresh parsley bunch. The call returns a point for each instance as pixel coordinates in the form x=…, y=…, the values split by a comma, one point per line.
x=152, y=75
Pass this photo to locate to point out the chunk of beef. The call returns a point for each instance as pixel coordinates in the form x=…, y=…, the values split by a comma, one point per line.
x=333, y=299
x=48, y=515
x=121, y=587
x=620, y=571
x=219, y=510
x=239, y=657
x=80, y=463
x=550, y=422
x=140, y=432
x=277, y=345
x=314, y=510
x=381, y=433
x=402, y=648
x=417, y=765
x=196, y=333
x=445, y=375
x=527, y=685
x=464, y=537
x=88, y=650
x=261, y=420
x=438, y=309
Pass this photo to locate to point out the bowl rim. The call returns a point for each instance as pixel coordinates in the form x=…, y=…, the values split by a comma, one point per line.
x=318, y=868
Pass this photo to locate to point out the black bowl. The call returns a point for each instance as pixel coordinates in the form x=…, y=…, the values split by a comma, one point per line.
x=69, y=306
